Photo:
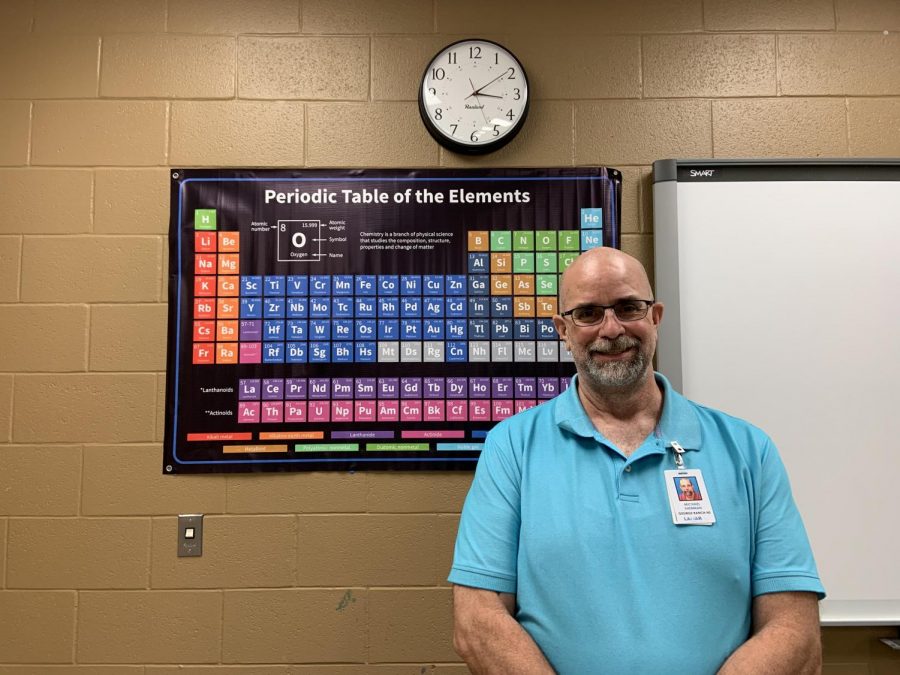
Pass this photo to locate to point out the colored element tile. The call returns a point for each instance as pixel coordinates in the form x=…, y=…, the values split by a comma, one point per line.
x=523, y=404
x=205, y=263
x=501, y=240
x=204, y=219
x=204, y=331
x=546, y=284
x=523, y=241
x=228, y=286
x=434, y=412
x=457, y=411
x=565, y=260
x=478, y=263
x=479, y=410
x=501, y=409
x=502, y=351
x=591, y=239
x=318, y=411
x=478, y=240
x=204, y=286
x=501, y=263
x=545, y=263
x=365, y=411
x=229, y=242
x=410, y=411
x=525, y=351
x=546, y=306
x=226, y=308
x=569, y=240
x=341, y=411
x=295, y=411
x=204, y=309
x=204, y=242
x=501, y=284
x=250, y=352
x=524, y=307
x=229, y=263
x=389, y=410
x=249, y=390
x=272, y=412
x=545, y=240
x=226, y=331
x=203, y=354
x=248, y=412
x=226, y=352
x=523, y=262
x=523, y=284
x=592, y=219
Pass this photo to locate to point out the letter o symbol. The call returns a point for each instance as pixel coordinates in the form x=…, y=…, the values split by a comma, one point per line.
x=298, y=240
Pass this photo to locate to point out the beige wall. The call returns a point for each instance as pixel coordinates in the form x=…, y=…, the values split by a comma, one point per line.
x=99, y=97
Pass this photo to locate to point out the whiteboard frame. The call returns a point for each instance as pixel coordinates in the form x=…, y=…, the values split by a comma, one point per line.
x=669, y=276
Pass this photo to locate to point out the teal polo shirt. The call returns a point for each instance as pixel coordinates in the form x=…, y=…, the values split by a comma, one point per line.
x=583, y=536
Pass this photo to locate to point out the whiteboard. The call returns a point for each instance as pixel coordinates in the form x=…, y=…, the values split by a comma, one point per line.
x=781, y=283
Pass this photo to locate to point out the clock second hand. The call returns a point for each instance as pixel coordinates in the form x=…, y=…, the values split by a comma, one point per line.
x=478, y=103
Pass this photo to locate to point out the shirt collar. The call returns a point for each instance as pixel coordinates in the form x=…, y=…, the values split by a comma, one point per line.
x=678, y=421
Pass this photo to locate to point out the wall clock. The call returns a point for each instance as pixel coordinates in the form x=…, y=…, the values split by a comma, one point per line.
x=474, y=96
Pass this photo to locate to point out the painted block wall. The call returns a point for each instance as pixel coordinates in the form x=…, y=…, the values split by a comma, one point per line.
x=326, y=572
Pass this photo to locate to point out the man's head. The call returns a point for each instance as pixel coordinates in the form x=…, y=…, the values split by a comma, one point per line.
x=611, y=354
x=686, y=487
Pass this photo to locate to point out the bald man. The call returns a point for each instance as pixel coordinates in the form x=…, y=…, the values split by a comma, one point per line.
x=569, y=558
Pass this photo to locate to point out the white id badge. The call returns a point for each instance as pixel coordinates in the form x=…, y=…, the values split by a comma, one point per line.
x=688, y=497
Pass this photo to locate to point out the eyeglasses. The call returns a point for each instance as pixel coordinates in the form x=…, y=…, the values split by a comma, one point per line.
x=625, y=310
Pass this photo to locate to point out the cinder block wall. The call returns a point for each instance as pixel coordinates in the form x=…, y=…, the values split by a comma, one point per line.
x=98, y=98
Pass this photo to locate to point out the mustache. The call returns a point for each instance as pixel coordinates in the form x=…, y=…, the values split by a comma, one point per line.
x=614, y=346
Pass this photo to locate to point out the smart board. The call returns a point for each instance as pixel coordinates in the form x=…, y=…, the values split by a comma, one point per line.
x=780, y=281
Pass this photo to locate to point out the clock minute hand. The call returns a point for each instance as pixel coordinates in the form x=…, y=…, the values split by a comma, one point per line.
x=485, y=86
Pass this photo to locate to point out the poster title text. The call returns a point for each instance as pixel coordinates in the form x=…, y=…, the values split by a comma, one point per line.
x=407, y=196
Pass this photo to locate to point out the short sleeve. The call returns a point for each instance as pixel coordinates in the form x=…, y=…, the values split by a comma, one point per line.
x=783, y=559
x=487, y=543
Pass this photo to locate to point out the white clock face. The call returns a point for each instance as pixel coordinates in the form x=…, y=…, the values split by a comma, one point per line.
x=474, y=96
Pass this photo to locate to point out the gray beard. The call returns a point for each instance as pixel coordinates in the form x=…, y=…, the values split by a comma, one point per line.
x=615, y=373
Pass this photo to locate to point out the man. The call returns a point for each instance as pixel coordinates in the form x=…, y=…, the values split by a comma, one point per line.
x=567, y=558
x=686, y=492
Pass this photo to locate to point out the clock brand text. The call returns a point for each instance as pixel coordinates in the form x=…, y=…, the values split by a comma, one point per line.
x=406, y=196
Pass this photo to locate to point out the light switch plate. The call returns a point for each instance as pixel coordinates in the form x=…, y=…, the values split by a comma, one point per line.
x=190, y=524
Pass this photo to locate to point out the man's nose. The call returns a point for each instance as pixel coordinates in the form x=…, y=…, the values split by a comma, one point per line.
x=610, y=327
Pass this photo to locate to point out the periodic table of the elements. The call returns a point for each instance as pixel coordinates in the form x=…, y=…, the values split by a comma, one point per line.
x=325, y=319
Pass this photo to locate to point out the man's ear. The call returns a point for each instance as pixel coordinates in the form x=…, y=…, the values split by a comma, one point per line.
x=657, y=312
x=560, y=325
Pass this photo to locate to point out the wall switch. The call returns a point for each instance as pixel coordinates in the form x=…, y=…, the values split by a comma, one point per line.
x=190, y=535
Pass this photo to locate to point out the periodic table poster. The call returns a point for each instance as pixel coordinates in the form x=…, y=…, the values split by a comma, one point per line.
x=367, y=319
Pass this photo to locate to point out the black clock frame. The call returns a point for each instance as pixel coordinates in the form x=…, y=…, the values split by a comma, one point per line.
x=467, y=148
